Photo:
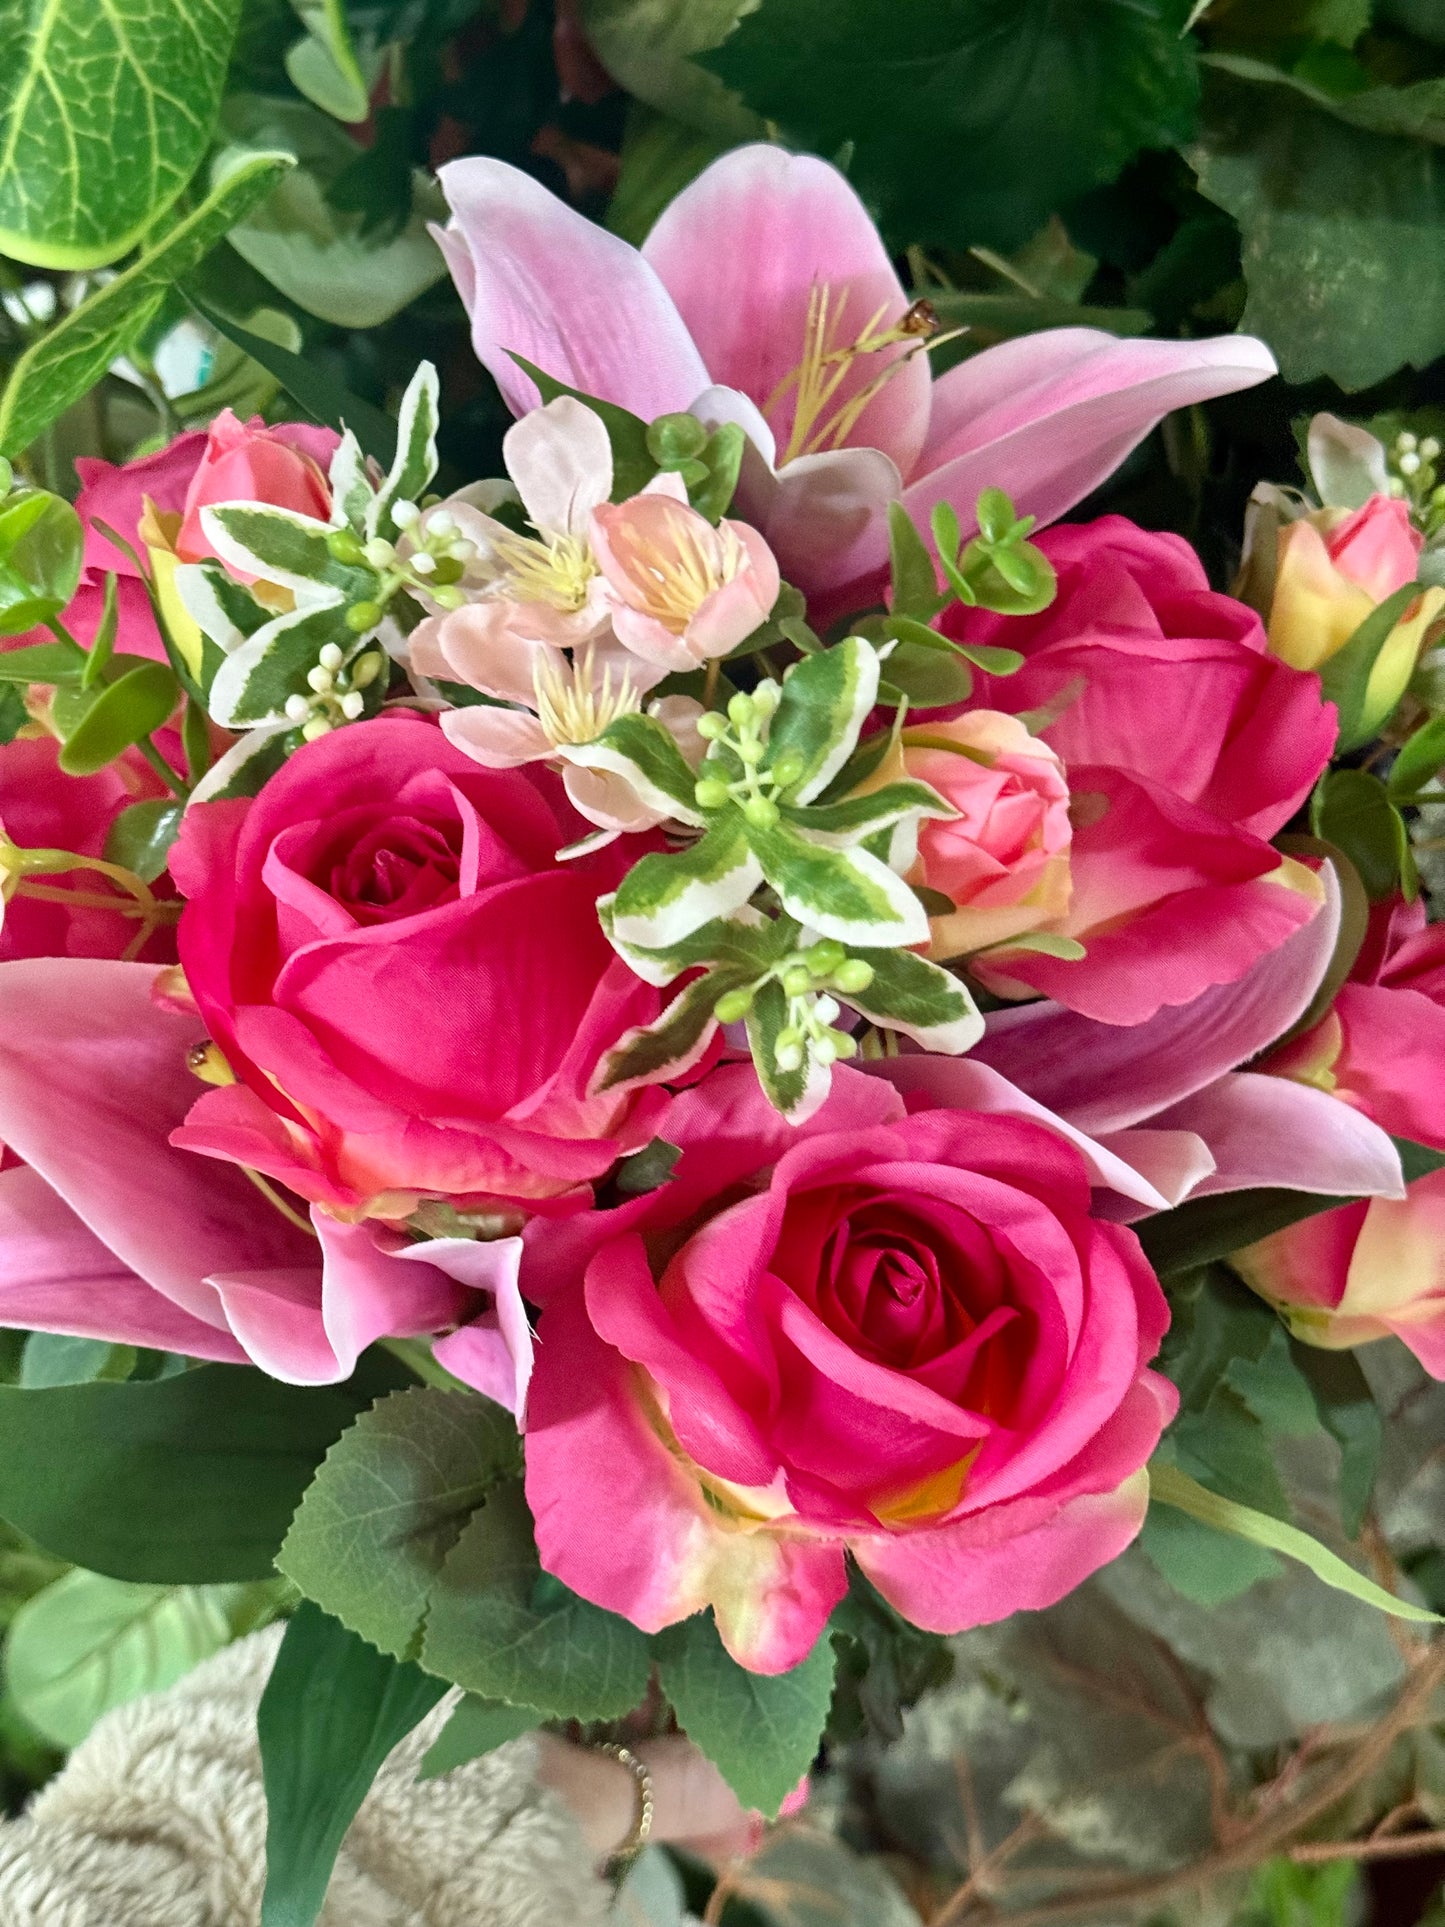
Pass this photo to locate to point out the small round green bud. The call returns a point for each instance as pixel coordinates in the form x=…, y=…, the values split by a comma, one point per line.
x=825, y=957
x=761, y=812
x=367, y=668
x=854, y=976
x=740, y=710
x=344, y=546
x=362, y=616
x=675, y=439
x=750, y=751
x=449, y=569
x=379, y=552
x=712, y=726
x=824, y=1048
x=766, y=698
x=844, y=1045
x=789, y=1036
x=448, y=596
x=797, y=980
x=787, y=768
x=711, y=793
x=733, y=1005
x=1429, y=448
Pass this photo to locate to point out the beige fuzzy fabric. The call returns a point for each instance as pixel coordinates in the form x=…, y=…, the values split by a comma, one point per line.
x=159, y=1820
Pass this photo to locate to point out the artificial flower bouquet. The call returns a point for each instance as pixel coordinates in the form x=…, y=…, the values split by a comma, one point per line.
x=729, y=989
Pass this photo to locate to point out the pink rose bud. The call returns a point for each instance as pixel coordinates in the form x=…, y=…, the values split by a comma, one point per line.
x=248, y=462
x=1333, y=569
x=1003, y=861
x=681, y=590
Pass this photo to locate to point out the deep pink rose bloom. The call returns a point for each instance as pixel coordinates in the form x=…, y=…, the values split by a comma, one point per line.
x=900, y=1336
x=1187, y=746
x=1377, y=1266
x=42, y=808
x=411, y=991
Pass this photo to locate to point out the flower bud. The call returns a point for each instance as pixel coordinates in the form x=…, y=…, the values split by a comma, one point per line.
x=733, y=1005
x=854, y=976
x=675, y=439
x=797, y=980
x=362, y=616
x=344, y=546
x=711, y=793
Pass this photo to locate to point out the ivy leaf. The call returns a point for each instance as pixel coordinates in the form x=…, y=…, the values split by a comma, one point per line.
x=83, y=86
x=1356, y=217
x=332, y=1711
x=63, y=364
x=1047, y=101
x=501, y=1627
x=388, y=1504
x=761, y=1731
x=87, y=1643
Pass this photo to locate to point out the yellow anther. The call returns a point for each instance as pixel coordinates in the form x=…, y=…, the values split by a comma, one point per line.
x=573, y=706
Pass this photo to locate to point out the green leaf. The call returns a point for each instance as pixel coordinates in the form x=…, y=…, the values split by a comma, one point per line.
x=1420, y=759
x=856, y=817
x=633, y=466
x=761, y=1731
x=646, y=46
x=1356, y=217
x=55, y=1358
x=500, y=1627
x=1346, y=678
x=1352, y=809
x=1046, y=100
x=795, y=1094
x=1169, y=1486
x=663, y=898
x=845, y=894
x=660, y=157
x=388, y=1505
x=106, y=110
x=915, y=581
x=324, y=65
x=13, y=713
x=416, y=451
x=252, y=685
x=648, y=1169
x=247, y=765
x=63, y=364
x=1044, y=943
x=174, y=1481
x=642, y=750
x=281, y=545
x=1348, y=1412
x=671, y=1041
x=332, y=1711
x=87, y=1643
x=309, y=385
x=928, y=678
x=477, y=1726
x=1206, y=1565
x=910, y=994
x=826, y=700
x=141, y=837
x=124, y=712
x=42, y=662
x=41, y=541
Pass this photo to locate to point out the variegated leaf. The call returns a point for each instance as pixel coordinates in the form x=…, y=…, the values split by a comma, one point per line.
x=673, y=1042
x=351, y=489
x=663, y=899
x=246, y=765
x=912, y=995
x=252, y=685
x=796, y=1093
x=845, y=894
x=278, y=545
x=747, y=939
x=826, y=700
x=646, y=756
x=839, y=825
x=416, y=451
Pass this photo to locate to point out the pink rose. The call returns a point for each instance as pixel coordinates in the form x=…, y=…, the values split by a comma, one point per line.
x=1004, y=859
x=1187, y=747
x=42, y=808
x=1332, y=570
x=681, y=591
x=411, y=992
x=1377, y=1266
x=248, y=462
x=897, y=1336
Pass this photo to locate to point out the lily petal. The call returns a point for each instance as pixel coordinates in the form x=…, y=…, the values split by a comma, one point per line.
x=1273, y=1131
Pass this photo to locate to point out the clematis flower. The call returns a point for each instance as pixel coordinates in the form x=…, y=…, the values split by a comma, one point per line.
x=765, y=296
x=537, y=632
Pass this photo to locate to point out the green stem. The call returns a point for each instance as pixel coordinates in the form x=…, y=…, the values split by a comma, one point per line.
x=417, y=1356
x=173, y=782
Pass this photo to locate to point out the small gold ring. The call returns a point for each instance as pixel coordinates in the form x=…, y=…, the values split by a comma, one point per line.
x=641, y=1831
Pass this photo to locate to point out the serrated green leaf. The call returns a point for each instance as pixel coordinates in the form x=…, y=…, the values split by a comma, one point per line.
x=910, y=994
x=499, y=1627
x=845, y=894
x=825, y=702
x=106, y=109
x=140, y=838
x=63, y=364
x=663, y=898
x=1047, y=101
x=388, y=1504
x=760, y=1731
x=308, y=384
x=87, y=1644
x=633, y=466
x=332, y=1711
x=124, y=712
x=477, y=1726
x=646, y=46
x=1169, y=1486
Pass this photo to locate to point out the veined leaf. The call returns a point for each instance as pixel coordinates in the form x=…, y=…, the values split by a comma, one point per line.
x=846, y=894
x=826, y=699
x=140, y=838
x=388, y=1504
x=1170, y=1486
x=910, y=994
x=62, y=365
x=282, y=546
x=106, y=109
x=251, y=687
x=662, y=899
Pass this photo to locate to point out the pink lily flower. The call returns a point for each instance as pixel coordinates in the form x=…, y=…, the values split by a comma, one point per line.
x=109, y=1231
x=764, y=295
